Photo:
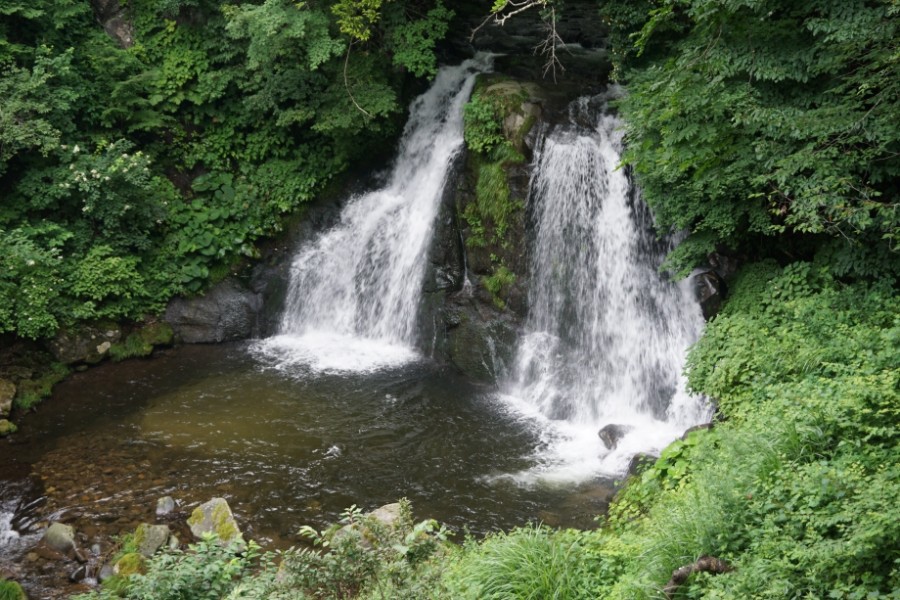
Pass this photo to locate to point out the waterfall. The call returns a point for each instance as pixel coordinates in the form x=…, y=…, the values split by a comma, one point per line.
x=354, y=292
x=606, y=336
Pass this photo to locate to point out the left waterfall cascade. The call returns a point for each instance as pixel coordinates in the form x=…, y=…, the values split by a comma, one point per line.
x=354, y=291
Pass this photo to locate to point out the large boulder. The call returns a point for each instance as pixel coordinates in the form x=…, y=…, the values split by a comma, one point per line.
x=225, y=313
x=215, y=517
x=85, y=344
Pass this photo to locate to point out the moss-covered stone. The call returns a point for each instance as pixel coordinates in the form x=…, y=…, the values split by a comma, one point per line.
x=31, y=391
x=141, y=342
x=7, y=427
x=215, y=517
x=130, y=564
x=150, y=538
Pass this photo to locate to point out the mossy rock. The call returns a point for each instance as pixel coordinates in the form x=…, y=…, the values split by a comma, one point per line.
x=31, y=391
x=10, y=590
x=215, y=517
x=130, y=564
x=7, y=427
x=150, y=538
x=141, y=342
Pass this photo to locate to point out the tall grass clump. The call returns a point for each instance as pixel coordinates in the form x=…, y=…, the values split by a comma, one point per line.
x=530, y=563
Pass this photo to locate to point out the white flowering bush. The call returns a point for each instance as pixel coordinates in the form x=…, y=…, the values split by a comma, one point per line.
x=119, y=196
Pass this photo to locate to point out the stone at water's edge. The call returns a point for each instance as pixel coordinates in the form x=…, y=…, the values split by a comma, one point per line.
x=387, y=515
x=7, y=393
x=639, y=462
x=60, y=537
x=87, y=344
x=215, y=517
x=150, y=538
x=7, y=428
x=227, y=312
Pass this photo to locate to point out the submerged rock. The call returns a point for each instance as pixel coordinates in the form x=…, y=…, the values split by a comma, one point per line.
x=611, y=434
x=215, y=517
x=60, y=537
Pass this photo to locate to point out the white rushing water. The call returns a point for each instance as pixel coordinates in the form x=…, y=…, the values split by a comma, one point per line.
x=606, y=336
x=354, y=291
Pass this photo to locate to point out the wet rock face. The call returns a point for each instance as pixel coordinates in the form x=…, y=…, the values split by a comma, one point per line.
x=228, y=312
x=111, y=14
x=710, y=290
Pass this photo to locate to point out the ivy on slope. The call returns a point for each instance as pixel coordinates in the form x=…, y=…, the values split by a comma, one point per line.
x=750, y=119
x=129, y=175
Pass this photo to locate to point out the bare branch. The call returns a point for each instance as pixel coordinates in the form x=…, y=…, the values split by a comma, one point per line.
x=347, y=83
x=499, y=17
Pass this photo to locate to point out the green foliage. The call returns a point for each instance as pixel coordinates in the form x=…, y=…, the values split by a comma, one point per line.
x=413, y=42
x=209, y=570
x=363, y=559
x=30, y=98
x=10, y=590
x=764, y=118
x=529, y=563
x=483, y=124
x=498, y=283
x=132, y=175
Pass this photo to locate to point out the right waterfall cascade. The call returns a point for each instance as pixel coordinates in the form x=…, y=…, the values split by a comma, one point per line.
x=605, y=340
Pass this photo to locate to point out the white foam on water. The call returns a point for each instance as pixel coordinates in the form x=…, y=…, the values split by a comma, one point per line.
x=330, y=352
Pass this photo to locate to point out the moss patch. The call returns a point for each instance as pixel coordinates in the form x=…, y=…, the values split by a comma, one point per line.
x=31, y=391
x=130, y=564
x=141, y=342
x=7, y=427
